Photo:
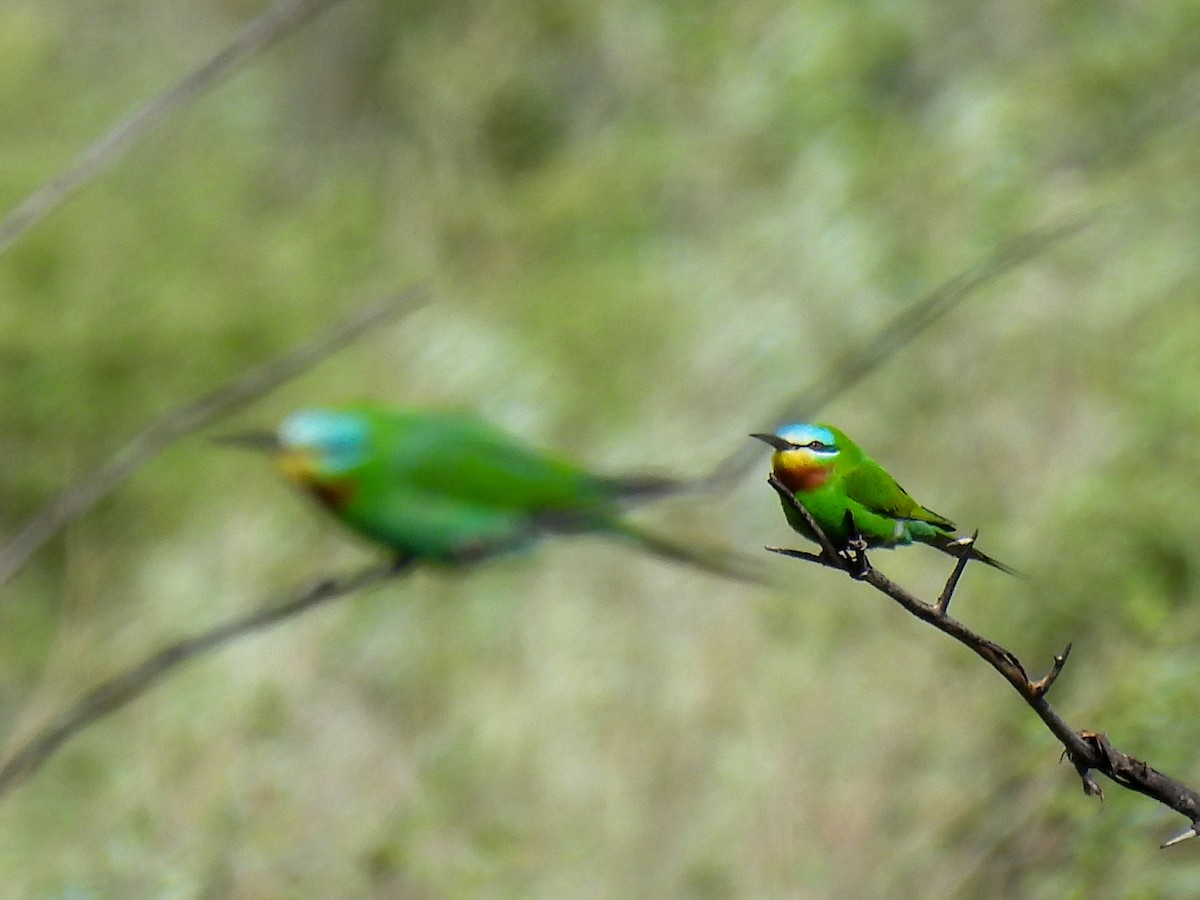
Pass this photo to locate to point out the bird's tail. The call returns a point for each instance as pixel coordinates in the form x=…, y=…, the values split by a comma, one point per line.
x=637, y=488
x=957, y=546
x=716, y=560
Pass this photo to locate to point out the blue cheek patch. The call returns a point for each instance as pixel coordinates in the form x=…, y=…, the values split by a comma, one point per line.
x=336, y=441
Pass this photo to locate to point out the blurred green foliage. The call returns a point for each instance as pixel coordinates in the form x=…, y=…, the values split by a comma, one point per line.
x=645, y=223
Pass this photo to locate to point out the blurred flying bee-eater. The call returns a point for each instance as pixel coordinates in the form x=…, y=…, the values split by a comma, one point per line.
x=444, y=486
x=844, y=491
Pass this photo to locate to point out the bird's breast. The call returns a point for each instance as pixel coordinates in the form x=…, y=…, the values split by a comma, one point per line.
x=800, y=475
x=334, y=493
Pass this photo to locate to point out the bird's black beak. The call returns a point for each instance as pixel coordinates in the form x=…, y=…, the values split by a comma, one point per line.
x=774, y=440
x=262, y=441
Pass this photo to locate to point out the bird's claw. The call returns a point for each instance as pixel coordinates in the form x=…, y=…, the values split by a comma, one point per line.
x=855, y=552
x=857, y=563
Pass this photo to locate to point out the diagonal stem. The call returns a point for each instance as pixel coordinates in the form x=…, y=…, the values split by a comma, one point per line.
x=897, y=333
x=1088, y=751
x=256, y=36
x=79, y=498
x=836, y=559
x=122, y=689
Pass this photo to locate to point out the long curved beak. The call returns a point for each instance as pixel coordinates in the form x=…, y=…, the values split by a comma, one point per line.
x=261, y=441
x=774, y=440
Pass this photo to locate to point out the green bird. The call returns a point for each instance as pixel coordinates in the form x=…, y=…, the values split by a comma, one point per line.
x=446, y=487
x=831, y=476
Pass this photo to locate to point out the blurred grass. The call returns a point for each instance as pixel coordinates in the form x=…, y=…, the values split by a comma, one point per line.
x=645, y=223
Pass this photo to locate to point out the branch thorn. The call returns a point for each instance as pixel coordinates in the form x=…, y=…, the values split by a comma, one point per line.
x=1040, y=687
x=805, y=554
x=1186, y=835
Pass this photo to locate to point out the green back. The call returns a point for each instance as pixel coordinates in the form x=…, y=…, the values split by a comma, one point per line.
x=440, y=484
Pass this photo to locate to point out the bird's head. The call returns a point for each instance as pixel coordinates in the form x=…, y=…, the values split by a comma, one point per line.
x=313, y=447
x=804, y=453
x=318, y=444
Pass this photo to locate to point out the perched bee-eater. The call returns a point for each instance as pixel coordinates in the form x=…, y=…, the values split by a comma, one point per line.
x=444, y=486
x=831, y=476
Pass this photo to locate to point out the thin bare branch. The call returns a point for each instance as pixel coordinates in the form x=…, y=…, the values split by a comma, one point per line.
x=255, y=37
x=834, y=557
x=122, y=689
x=943, y=601
x=897, y=333
x=113, y=694
x=175, y=424
x=1088, y=751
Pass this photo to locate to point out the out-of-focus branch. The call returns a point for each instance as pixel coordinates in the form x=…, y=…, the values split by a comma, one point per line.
x=122, y=689
x=175, y=424
x=255, y=37
x=1088, y=751
x=897, y=333
x=113, y=694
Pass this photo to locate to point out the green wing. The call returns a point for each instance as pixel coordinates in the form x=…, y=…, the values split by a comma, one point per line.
x=870, y=484
x=454, y=455
x=444, y=485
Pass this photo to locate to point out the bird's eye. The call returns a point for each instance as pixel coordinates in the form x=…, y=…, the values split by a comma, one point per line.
x=817, y=446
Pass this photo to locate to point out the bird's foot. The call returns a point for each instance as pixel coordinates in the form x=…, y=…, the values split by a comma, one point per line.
x=855, y=552
x=857, y=563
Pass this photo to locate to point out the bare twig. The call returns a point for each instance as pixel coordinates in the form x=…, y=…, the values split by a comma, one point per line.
x=256, y=36
x=113, y=694
x=830, y=555
x=896, y=334
x=122, y=689
x=81, y=497
x=1044, y=683
x=1088, y=751
x=943, y=601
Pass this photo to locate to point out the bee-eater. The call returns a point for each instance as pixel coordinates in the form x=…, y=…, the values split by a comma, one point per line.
x=445, y=486
x=831, y=476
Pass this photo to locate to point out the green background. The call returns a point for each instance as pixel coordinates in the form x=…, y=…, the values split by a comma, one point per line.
x=644, y=225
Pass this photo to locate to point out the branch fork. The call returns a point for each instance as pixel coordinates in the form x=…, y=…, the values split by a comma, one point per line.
x=1088, y=751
